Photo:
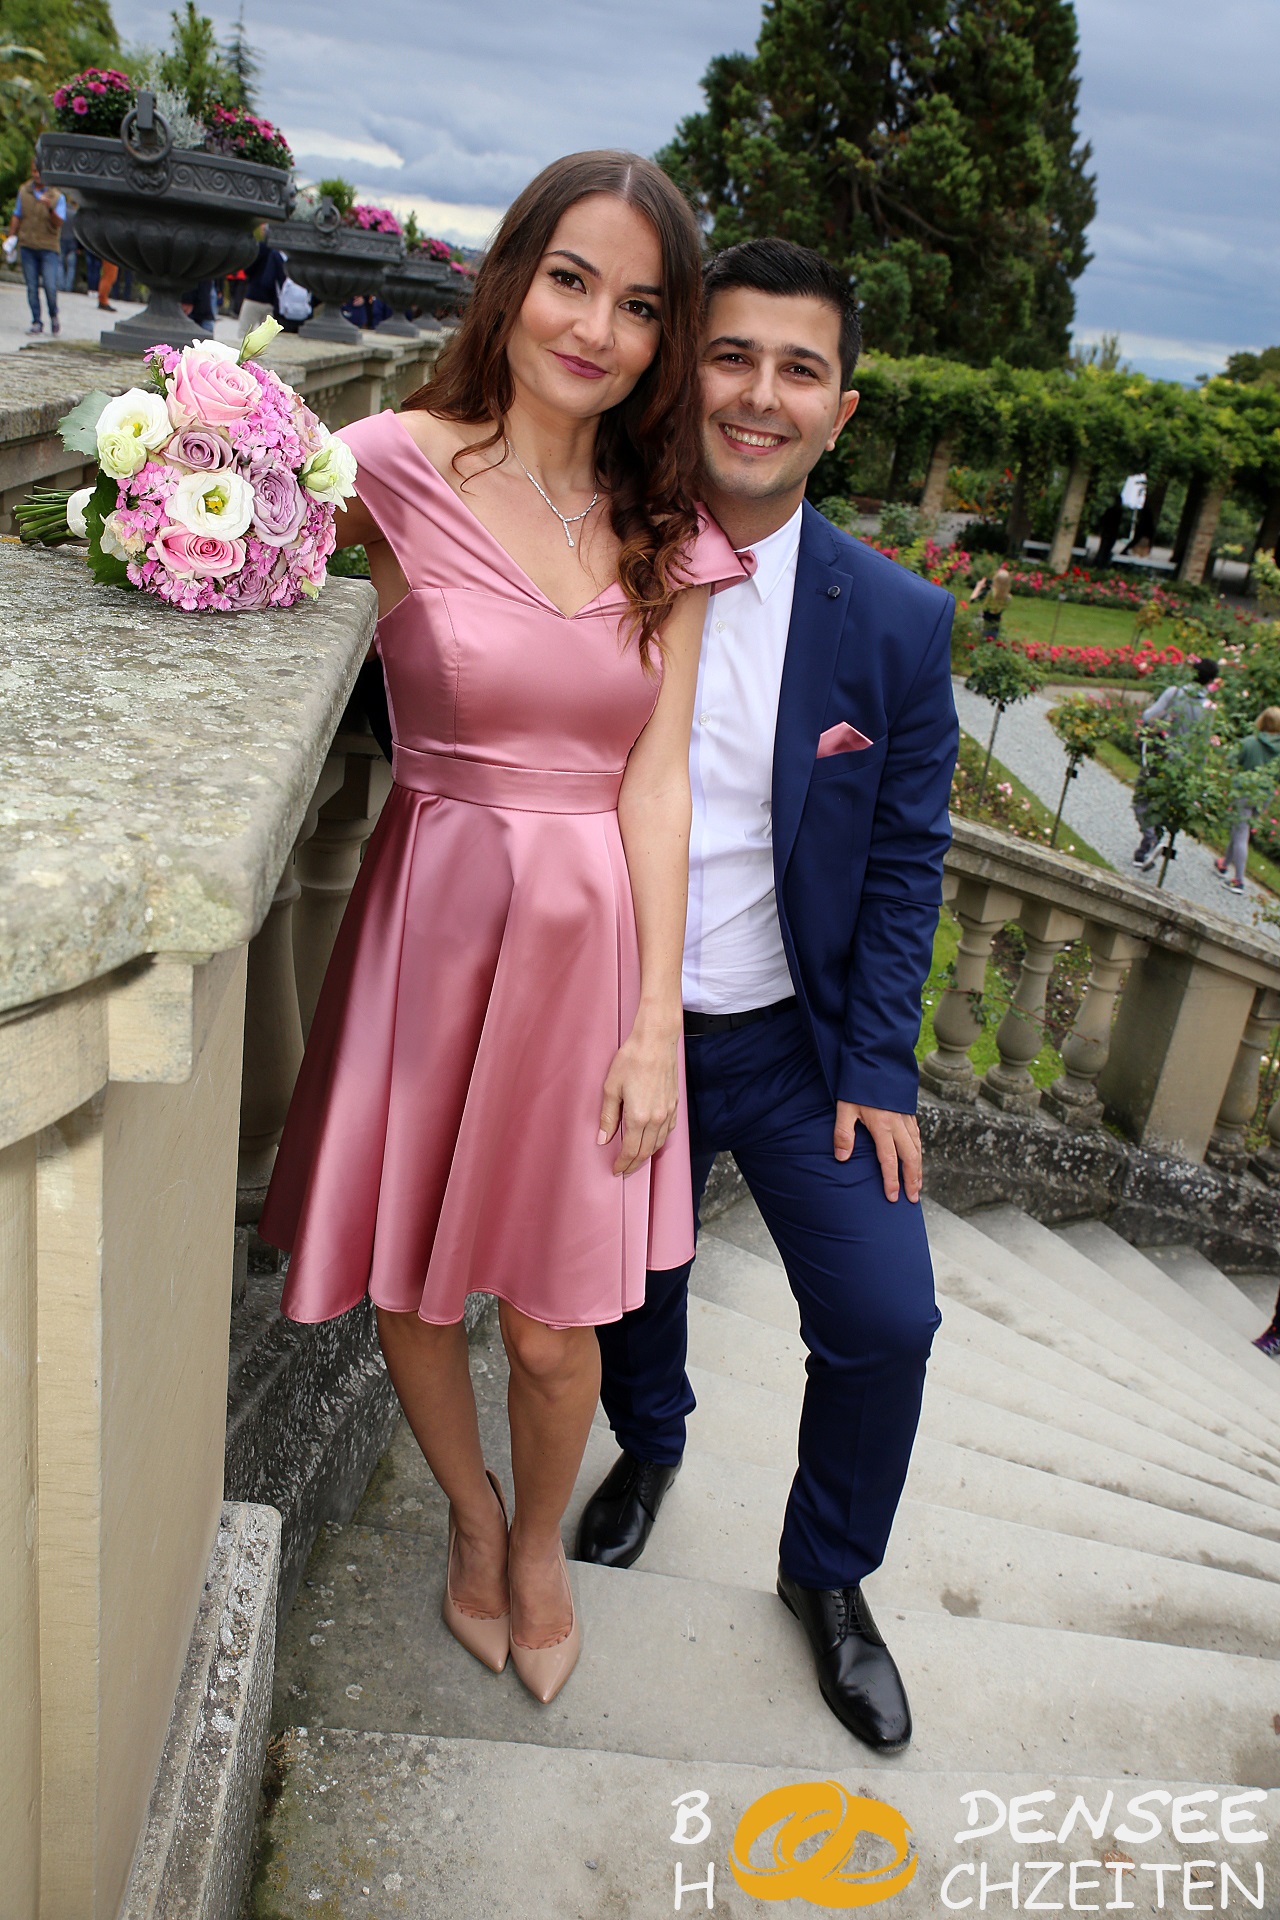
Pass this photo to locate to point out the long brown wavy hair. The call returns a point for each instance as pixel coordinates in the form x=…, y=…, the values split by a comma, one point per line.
x=647, y=446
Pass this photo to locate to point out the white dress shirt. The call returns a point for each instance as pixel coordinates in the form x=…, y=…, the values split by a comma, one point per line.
x=733, y=953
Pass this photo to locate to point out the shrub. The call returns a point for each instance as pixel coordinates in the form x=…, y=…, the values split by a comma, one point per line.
x=247, y=136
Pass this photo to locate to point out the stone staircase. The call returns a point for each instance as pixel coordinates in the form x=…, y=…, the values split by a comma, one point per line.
x=1082, y=1590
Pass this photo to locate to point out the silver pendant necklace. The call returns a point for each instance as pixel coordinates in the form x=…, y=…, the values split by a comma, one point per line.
x=566, y=520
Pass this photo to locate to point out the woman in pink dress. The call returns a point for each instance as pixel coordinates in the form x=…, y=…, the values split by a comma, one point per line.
x=490, y=1099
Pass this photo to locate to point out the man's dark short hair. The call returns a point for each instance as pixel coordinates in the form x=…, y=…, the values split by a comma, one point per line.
x=781, y=267
x=1206, y=672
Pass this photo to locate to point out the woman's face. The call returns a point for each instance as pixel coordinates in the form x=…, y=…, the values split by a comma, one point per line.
x=591, y=321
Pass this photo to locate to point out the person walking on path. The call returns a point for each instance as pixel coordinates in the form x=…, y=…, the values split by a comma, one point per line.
x=490, y=1099
x=1261, y=749
x=1178, y=710
x=38, y=216
x=821, y=761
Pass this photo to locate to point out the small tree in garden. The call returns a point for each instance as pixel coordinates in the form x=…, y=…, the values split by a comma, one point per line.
x=1191, y=784
x=1082, y=725
x=1002, y=676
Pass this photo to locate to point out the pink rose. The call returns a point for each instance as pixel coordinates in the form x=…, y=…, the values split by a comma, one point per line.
x=200, y=449
x=279, y=504
x=198, y=555
x=209, y=391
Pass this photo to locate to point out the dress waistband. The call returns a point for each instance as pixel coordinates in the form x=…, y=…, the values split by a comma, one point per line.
x=485, y=784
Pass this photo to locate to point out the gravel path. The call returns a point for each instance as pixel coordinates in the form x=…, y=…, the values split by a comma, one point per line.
x=1099, y=806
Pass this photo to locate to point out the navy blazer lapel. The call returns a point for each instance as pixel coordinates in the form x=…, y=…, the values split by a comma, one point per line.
x=821, y=603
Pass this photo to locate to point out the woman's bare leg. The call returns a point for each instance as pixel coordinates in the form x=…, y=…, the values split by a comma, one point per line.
x=551, y=1399
x=430, y=1372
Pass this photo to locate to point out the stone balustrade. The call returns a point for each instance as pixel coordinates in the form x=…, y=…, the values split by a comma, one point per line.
x=40, y=384
x=1170, y=1032
x=156, y=772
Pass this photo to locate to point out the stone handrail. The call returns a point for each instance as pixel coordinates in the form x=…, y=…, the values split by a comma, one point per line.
x=1168, y=1038
x=156, y=770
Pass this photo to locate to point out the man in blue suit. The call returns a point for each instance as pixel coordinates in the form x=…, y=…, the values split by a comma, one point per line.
x=821, y=761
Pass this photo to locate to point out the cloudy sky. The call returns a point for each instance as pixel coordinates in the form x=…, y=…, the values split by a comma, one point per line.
x=450, y=105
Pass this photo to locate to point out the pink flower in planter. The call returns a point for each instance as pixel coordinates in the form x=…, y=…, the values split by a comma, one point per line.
x=79, y=104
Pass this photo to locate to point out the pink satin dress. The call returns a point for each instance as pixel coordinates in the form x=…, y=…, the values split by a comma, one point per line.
x=442, y=1135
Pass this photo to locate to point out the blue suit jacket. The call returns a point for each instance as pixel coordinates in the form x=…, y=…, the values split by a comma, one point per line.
x=859, y=837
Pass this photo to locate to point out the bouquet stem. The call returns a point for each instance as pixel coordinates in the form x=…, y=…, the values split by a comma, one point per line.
x=42, y=518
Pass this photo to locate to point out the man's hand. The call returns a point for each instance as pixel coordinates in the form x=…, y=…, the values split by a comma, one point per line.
x=896, y=1137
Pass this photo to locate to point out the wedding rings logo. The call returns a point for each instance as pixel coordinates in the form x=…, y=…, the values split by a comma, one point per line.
x=824, y=1877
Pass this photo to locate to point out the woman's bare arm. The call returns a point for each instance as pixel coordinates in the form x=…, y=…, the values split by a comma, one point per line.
x=642, y=1087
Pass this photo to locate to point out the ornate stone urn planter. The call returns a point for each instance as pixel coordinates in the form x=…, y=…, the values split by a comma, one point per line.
x=335, y=263
x=431, y=285
x=175, y=216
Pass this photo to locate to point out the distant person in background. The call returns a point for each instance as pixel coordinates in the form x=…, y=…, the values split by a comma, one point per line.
x=262, y=283
x=67, y=243
x=202, y=304
x=38, y=216
x=108, y=272
x=1109, y=532
x=1261, y=749
x=995, y=593
x=1178, y=709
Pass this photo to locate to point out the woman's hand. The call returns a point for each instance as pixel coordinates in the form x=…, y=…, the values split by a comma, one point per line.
x=642, y=1091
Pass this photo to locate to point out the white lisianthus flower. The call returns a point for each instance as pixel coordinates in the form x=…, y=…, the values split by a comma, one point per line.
x=75, y=512
x=218, y=503
x=259, y=338
x=330, y=473
x=131, y=427
x=217, y=348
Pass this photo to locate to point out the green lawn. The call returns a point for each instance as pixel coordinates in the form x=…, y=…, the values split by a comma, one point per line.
x=1027, y=619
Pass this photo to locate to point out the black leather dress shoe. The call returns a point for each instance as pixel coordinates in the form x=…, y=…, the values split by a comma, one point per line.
x=856, y=1671
x=619, y=1516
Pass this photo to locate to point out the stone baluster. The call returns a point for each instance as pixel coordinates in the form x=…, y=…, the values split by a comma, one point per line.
x=272, y=1024
x=1073, y=1097
x=328, y=862
x=1226, y=1148
x=1020, y=1035
x=982, y=910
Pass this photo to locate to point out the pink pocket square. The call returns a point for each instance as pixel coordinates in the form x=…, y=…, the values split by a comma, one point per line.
x=841, y=738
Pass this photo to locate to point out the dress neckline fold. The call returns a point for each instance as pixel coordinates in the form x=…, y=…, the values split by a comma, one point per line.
x=512, y=565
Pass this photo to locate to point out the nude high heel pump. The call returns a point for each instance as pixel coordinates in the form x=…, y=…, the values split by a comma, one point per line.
x=486, y=1635
x=544, y=1670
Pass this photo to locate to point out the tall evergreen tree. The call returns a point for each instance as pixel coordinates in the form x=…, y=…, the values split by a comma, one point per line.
x=928, y=146
x=241, y=60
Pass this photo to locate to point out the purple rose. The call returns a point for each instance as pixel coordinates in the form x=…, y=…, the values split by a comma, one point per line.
x=200, y=449
x=251, y=588
x=279, y=504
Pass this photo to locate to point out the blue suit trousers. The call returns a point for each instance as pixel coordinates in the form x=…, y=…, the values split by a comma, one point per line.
x=859, y=1268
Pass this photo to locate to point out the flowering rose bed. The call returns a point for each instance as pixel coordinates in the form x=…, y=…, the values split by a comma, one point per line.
x=217, y=488
x=94, y=101
x=1085, y=589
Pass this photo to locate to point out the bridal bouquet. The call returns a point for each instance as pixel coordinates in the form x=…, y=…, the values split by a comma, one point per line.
x=217, y=486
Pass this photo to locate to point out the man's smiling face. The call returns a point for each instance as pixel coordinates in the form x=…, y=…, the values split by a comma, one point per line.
x=772, y=396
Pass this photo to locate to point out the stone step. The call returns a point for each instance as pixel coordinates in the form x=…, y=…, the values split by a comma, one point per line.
x=1180, y=1322
x=387, y=1824
x=721, y=1521
x=724, y=1341
x=1088, y=1317
x=697, y=1672
x=983, y=1357
x=741, y=1422
x=1199, y=1277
